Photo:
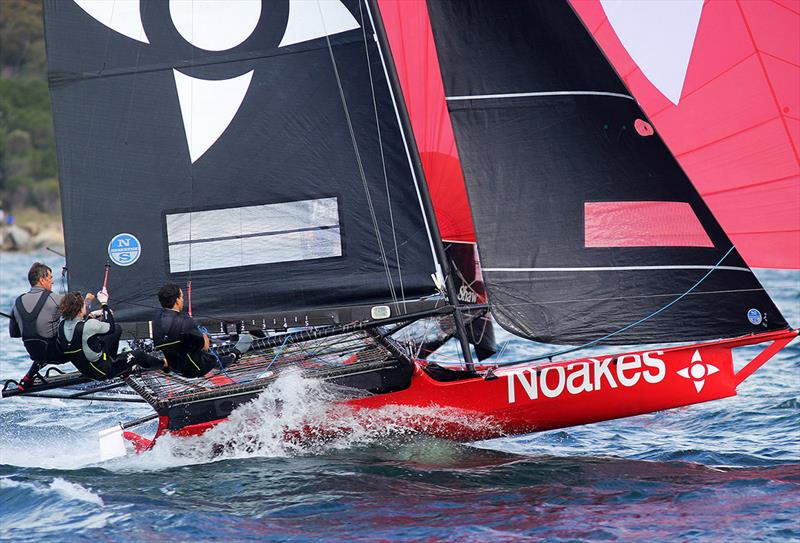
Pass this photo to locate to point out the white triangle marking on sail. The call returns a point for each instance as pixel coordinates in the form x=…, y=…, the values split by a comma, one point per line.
x=122, y=16
x=698, y=385
x=684, y=372
x=659, y=36
x=215, y=25
x=208, y=107
x=312, y=19
x=711, y=369
x=696, y=357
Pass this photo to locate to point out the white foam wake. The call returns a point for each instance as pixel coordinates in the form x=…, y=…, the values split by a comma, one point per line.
x=63, y=488
x=74, y=491
x=299, y=416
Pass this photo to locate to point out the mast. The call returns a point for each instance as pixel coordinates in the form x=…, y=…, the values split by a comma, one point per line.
x=405, y=122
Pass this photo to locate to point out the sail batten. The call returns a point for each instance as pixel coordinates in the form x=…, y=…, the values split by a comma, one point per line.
x=620, y=268
x=529, y=94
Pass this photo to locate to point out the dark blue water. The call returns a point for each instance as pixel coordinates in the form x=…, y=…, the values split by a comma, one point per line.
x=723, y=471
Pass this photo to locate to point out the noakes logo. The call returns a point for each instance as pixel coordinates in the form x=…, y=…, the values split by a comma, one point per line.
x=589, y=375
x=697, y=371
x=209, y=106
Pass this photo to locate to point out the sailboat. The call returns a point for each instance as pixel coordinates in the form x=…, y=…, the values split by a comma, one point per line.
x=357, y=182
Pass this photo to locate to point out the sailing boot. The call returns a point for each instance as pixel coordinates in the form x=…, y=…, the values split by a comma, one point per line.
x=243, y=344
x=25, y=382
x=28, y=381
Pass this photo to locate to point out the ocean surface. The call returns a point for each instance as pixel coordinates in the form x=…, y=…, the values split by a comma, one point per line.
x=723, y=471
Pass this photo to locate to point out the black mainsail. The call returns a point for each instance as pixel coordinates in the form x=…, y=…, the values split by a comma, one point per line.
x=263, y=163
x=585, y=222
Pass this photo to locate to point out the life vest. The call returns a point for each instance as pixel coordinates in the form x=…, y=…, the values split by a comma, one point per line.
x=72, y=351
x=36, y=345
x=186, y=362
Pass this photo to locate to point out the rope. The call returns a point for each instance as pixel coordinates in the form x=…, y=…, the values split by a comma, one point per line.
x=383, y=158
x=277, y=353
x=371, y=207
x=219, y=362
x=190, y=141
x=621, y=330
x=274, y=358
x=204, y=330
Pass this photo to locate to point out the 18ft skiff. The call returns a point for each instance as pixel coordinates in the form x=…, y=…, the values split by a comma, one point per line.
x=320, y=174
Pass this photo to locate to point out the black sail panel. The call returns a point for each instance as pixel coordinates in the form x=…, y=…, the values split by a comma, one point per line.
x=586, y=225
x=270, y=173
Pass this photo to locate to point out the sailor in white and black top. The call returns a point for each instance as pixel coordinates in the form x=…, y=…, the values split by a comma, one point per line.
x=34, y=318
x=92, y=344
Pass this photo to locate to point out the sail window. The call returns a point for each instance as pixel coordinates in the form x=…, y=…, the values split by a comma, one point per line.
x=642, y=224
x=253, y=235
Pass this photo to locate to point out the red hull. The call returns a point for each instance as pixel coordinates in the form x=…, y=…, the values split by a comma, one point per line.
x=544, y=396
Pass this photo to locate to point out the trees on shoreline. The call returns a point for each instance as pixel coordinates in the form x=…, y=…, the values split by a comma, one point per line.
x=28, y=172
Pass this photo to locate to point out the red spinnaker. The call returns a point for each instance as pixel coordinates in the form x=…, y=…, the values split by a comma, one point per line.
x=409, y=31
x=720, y=80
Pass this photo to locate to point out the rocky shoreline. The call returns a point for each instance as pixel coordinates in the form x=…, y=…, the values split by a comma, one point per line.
x=31, y=236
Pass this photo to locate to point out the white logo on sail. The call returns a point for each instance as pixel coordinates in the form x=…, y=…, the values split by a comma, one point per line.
x=122, y=16
x=209, y=106
x=659, y=36
x=215, y=25
x=697, y=371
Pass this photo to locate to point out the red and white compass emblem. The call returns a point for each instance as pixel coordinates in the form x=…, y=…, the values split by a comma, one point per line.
x=698, y=370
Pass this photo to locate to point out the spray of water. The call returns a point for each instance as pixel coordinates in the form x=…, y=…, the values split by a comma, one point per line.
x=298, y=416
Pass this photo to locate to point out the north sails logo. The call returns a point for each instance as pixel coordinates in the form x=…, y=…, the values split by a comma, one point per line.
x=587, y=376
x=697, y=371
x=209, y=106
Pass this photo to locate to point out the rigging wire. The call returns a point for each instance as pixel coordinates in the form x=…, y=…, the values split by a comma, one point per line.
x=370, y=205
x=191, y=169
x=637, y=297
x=625, y=328
x=383, y=157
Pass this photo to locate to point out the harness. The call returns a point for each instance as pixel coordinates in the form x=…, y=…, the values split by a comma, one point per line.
x=35, y=344
x=73, y=352
x=176, y=353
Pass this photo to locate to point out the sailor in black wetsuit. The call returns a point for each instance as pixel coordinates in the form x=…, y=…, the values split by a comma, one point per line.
x=92, y=344
x=35, y=319
x=185, y=347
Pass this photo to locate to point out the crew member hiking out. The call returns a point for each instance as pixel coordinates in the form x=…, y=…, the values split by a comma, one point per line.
x=92, y=344
x=178, y=336
x=34, y=318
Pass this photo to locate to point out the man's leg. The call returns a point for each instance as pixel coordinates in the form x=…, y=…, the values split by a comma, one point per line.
x=27, y=379
x=49, y=352
x=146, y=361
x=127, y=361
x=110, y=341
x=213, y=361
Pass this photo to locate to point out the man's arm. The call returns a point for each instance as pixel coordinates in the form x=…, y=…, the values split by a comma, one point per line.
x=94, y=326
x=13, y=326
x=190, y=333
